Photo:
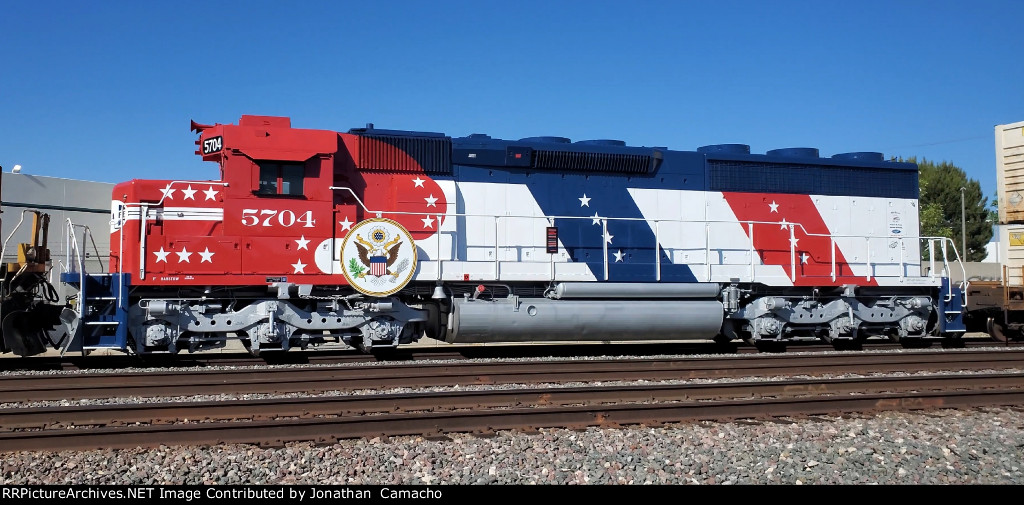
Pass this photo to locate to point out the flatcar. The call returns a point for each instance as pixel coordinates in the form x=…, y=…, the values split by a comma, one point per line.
x=997, y=305
x=375, y=238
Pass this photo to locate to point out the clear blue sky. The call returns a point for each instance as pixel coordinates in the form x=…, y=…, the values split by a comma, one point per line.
x=105, y=90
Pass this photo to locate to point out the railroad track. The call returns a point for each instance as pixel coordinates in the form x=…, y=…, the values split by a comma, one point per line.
x=328, y=419
x=271, y=408
x=316, y=379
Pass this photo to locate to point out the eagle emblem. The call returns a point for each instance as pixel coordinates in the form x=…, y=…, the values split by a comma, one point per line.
x=375, y=256
x=378, y=257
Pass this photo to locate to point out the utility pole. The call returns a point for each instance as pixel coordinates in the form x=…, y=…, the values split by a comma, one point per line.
x=963, y=223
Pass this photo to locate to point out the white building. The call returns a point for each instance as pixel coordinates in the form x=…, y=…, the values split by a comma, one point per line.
x=85, y=203
x=992, y=247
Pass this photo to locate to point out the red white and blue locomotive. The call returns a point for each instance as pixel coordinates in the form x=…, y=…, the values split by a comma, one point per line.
x=376, y=238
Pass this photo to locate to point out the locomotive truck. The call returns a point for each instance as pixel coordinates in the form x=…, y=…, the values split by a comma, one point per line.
x=375, y=238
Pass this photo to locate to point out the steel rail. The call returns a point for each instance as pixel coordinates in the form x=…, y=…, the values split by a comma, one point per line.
x=330, y=429
x=21, y=388
x=80, y=416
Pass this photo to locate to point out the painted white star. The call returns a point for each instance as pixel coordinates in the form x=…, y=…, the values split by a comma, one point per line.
x=346, y=224
x=597, y=218
x=804, y=257
x=190, y=194
x=428, y=222
x=793, y=241
x=211, y=194
x=608, y=237
x=168, y=192
x=774, y=206
x=161, y=255
x=298, y=266
x=207, y=256
x=302, y=241
x=783, y=224
x=584, y=202
x=618, y=256
x=418, y=182
x=183, y=255
x=431, y=201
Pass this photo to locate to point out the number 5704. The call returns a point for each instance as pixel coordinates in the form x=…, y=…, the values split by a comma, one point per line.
x=270, y=217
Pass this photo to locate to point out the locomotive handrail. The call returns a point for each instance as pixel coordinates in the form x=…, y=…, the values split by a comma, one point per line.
x=72, y=251
x=656, y=225
x=3, y=249
x=360, y=202
x=87, y=237
x=964, y=283
x=549, y=217
x=71, y=243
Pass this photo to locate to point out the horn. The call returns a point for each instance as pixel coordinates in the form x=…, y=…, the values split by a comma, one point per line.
x=198, y=128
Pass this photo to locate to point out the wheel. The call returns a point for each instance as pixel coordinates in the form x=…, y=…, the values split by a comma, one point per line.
x=915, y=343
x=953, y=343
x=724, y=344
x=770, y=346
x=848, y=345
x=722, y=339
x=247, y=344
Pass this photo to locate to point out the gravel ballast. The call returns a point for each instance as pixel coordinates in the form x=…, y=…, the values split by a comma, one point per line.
x=981, y=446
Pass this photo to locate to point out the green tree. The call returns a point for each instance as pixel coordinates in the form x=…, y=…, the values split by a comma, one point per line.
x=940, y=203
x=933, y=223
x=993, y=212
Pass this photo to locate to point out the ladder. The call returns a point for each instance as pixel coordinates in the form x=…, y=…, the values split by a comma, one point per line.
x=102, y=306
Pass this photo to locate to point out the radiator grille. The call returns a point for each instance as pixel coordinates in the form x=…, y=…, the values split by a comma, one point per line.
x=592, y=162
x=378, y=153
x=811, y=179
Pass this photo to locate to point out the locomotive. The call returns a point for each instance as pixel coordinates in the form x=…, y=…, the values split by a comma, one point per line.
x=375, y=238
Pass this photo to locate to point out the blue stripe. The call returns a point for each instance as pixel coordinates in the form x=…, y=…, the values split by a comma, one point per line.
x=559, y=194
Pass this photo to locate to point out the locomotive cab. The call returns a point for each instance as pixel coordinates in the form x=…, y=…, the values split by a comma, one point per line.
x=253, y=256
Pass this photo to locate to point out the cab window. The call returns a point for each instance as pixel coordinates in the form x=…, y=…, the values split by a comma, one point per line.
x=278, y=178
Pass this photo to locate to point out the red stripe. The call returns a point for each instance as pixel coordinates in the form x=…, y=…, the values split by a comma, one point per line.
x=376, y=269
x=772, y=241
x=407, y=190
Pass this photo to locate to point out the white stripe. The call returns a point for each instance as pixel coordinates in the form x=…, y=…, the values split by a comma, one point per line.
x=687, y=243
x=865, y=216
x=177, y=214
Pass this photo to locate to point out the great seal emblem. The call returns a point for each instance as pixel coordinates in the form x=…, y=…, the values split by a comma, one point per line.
x=378, y=257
